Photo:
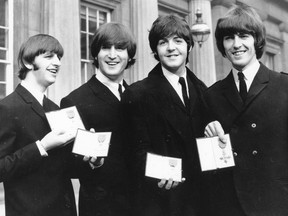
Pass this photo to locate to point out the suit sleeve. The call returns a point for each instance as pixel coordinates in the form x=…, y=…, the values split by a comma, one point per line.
x=14, y=161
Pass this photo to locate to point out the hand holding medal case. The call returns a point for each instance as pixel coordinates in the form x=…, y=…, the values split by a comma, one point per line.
x=91, y=144
x=214, y=154
x=163, y=167
x=86, y=143
x=67, y=119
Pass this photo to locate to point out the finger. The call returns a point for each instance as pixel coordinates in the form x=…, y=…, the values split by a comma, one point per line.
x=208, y=131
x=175, y=184
x=169, y=184
x=101, y=161
x=93, y=159
x=161, y=183
x=86, y=158
x=220, y=132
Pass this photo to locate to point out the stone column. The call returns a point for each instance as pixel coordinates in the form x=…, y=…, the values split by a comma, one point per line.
x=143, y=13
x=222, y=65
x=202, y=60
x=61, y=20
x=284, y=49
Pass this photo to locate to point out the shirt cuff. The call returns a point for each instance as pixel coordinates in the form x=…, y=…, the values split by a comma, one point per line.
x=41, y=149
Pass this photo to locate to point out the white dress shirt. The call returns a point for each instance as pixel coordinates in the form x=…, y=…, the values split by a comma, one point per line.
x=249, y=74
x=113, y=86
x=174, y=81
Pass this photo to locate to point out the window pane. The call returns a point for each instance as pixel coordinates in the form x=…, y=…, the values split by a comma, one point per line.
x=83, y=46
x=2, y=72
x=90, y=70
x=3, y=55
x=83, y=19
x=102, y=18
x=2, y=91
x=2, y=13
x=92, y=20
x=90, y=41
x=83, y=24
x=2, y=38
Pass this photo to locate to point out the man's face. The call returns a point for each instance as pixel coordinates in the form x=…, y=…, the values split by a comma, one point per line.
x=240, y=50
x=112, y=62
x=172, y=52
x=45, y=68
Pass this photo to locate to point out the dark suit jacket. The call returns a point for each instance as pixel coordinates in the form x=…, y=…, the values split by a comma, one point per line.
x=259, y=137
x=105, y=192
x=34, y=185
x=159, y=123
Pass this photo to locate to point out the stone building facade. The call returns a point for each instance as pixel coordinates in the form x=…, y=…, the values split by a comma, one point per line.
x=73, y=22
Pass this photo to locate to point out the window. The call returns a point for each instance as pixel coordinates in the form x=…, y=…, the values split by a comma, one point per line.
x=6, y=47
x=269, y=60
x=91, y=18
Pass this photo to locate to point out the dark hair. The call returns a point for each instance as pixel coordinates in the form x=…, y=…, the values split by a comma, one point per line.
x=34, y=46
x=241, y=18
x=115, y=34
x=165, y=26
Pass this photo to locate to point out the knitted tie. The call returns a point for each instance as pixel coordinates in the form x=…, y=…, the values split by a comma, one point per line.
x=184, y=92
x=242, y=86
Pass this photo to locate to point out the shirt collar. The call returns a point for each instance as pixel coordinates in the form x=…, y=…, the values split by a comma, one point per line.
x=36, y=93
x=106, y=81
x=173, y=78
x=112, y=86
x=249, y=74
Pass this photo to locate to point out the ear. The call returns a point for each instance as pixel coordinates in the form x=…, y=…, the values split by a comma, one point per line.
x=29, y=66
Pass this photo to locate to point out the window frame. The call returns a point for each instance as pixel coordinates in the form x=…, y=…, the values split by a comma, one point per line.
x=8, y=28
x=86, y=61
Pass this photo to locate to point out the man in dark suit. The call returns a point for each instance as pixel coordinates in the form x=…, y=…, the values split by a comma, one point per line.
x=32, y=157
x=164, y=121
x=98, y=101
x=257, y=122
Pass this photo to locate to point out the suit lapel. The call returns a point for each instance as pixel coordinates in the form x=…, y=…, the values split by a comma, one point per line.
x=165, y=88
x=30, y=99
x=231, y=93
x=259, y=83
x=102, y=92
x=168, y=100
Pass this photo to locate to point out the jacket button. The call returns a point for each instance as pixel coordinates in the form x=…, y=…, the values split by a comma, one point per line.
x=235, y=154
x=253, y=125
x=254, y=152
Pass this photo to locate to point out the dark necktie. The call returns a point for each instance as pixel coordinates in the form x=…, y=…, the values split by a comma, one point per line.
x=184, y=92
x=45, y=105
x=120, y=90
x=242, y=86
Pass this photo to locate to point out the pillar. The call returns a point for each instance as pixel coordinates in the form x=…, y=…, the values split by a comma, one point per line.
x=283, y=27
x=202, y=60
x=143, y=14
x=66, y=28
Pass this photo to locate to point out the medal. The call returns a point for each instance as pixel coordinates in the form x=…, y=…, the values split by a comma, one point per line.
x=101, y=138
x=172, y=163
x=70, y=114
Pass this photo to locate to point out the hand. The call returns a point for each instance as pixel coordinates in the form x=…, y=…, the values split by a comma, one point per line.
x=215, y=129
x=56, y=138
x=168, y=184
x=93, y=162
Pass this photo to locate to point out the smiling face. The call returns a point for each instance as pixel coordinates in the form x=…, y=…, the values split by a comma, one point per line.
x=240, y=50
x=172, y=53
x=112, y=62
x=44, y=69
